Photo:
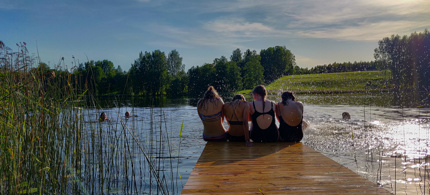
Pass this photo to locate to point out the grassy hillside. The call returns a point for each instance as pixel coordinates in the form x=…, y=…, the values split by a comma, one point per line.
x=329, y=82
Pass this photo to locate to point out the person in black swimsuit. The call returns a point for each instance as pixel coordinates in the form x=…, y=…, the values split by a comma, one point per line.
x=290, y=116
x=263, y=127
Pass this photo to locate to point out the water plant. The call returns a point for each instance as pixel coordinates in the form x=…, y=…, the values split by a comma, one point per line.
x=51, y=143
x=40, y=126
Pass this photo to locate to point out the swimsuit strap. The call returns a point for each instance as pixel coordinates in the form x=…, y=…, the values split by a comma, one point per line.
x=211, y=118
x=234, y=112
x=256, y=109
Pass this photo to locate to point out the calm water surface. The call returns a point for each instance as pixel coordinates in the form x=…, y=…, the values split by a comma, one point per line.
x=389, y=145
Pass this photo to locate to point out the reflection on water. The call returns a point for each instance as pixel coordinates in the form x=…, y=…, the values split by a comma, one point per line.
x=387, y=145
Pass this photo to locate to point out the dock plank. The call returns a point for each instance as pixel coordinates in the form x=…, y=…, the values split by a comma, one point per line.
x=272, y=168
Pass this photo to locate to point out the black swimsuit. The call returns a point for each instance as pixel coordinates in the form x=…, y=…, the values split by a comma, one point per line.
x=264, y=135
x=289, y=133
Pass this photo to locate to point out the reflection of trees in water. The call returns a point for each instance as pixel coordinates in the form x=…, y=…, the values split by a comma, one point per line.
x=111, y=101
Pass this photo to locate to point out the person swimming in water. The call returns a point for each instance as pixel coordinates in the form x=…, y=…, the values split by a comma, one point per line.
x=103, y=117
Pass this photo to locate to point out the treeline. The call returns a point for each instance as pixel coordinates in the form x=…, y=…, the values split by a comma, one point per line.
x=408, y=58
x=152, y=74
x=341, y=67
x=155, y=74
x=242, y=71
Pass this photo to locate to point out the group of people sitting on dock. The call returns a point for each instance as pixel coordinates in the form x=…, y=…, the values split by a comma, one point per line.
x=261, y=112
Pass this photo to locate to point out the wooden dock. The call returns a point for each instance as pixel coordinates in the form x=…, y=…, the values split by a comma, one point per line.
x=272, y=168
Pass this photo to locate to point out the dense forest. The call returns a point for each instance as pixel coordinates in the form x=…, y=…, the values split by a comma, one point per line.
x=155, y=74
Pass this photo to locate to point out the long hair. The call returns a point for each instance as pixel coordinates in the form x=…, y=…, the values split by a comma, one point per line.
x=286, y=96
x=260, y=90
x=210, y=95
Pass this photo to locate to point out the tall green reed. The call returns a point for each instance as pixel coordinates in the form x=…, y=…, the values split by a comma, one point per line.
x=40, y=129
x=50, y=145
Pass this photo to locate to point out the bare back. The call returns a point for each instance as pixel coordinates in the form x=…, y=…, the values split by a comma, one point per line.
x=236, y=112
x=210, y=112
x=292, y=113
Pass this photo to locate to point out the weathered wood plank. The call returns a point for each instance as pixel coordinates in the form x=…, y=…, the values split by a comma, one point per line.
x=272, y=168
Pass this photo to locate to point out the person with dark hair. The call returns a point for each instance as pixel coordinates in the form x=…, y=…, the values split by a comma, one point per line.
x=290, y=117
x=210, y=112
x=236, y=112
x=103, y=117
x=262, y=114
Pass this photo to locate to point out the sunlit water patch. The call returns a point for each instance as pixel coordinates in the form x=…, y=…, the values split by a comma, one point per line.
x=388, y=146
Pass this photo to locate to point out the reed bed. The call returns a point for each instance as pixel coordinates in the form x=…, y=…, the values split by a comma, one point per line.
x=49, y=145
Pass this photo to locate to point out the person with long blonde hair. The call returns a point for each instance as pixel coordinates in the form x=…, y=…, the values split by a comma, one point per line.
x=210, y=112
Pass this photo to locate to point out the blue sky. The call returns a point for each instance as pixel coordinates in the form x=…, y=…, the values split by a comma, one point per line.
x=316, y=31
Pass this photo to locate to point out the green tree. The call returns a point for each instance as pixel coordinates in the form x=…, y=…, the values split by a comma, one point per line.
x=407, y=58
x=178, y=85
x=139, y=72
x=157, y=74
x=253, y=74
x=236, y=56
x=174, y=63
x=276, y=61
x=199, y=79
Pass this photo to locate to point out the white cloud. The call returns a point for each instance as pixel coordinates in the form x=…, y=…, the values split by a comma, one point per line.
x=238, y=27
x=367, y=20
x=368, y=31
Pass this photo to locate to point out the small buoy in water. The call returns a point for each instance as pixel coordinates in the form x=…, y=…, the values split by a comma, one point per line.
x=346, y=116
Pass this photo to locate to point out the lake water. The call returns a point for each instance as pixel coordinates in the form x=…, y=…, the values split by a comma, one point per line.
x=389, y=145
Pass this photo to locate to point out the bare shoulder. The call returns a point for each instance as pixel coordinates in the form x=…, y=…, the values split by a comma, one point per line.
x=244, y=104
x=300, y=105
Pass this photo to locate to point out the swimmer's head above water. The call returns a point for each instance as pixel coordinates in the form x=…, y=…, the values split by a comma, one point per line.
x=103, y=117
